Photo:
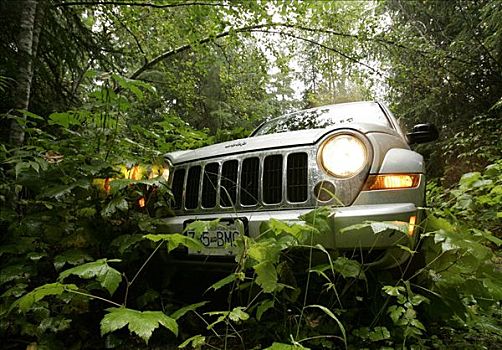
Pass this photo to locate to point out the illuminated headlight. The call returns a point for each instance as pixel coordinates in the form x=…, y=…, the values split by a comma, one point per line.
x=163, y=170
x=343, y=155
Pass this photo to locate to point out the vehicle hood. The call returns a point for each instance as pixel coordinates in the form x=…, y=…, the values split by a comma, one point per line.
x=271, y=141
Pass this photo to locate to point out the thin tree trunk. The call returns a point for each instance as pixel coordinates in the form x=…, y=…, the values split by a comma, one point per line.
x=27, y=47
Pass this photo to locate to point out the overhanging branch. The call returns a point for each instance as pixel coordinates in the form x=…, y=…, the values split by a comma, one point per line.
x=187, y=47
x=329, y=48
x=263, y=27
x=255, y=28
x=137, y=4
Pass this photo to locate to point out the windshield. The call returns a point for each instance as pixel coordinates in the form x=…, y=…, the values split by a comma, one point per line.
x=323, y=117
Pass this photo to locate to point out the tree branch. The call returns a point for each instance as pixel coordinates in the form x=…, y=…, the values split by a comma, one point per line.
x=352, y=59
x=187, y=47
x=138, y=4
x=256, y=28
x=138, y=44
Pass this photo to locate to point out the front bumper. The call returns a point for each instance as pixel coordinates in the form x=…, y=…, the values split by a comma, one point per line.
x=363, y=239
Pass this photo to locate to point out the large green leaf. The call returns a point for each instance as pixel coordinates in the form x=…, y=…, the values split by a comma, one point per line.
x=265, y=250
x=266, y=276
x=237, y=314
x=26, y=301
x=379, y=226
x=116, y=204
x=174, y=240
x=181, y=312
x=72, y=257
x=196, y=342
x=319, y=218
x=228, y=279
x=107, y=276
x=63, y=119
x=58, y=192
x=348, y=268
x=141, y=323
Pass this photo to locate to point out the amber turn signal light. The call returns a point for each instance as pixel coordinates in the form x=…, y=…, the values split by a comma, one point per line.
x=391, y=182
x=141, y=202
x=411, y=225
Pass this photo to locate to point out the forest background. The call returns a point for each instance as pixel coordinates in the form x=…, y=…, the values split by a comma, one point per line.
x=86, y=86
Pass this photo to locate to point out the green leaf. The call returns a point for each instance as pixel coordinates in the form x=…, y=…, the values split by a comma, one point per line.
x=118, y=203
x=407, y=249
x=63, y=119
x=117, y=184
x=20, y=167
x=435, y=224
x=266, y=276
x=379, y=226
x=72, y=257
x=348, y=268
x=174, y=240
x=282, y=346
x=201, y=226
x=181, y=312
x=26, y=301
x=17, y=291
x=467, y=180
x=320, y=218
x=108, y=277
x=393, y=291
x=58, y=192
x=265, y=250
x=30, y=114
x=378, y=334
x=332, y=315
x=54, y=324
x=125, y=242
x=141, y=323
x=383, y=226
x=395, y=312
x=226, y=280
x=196, y=342
x=13, y=272
x=263, y=307
x=238, y=314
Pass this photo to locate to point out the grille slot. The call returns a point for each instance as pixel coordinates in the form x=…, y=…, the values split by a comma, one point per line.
x=192, y=189
x=210, y=185
x=297, y=177
x=228, y=190
x=249, y=181
x=272, y=179
x=178, y=181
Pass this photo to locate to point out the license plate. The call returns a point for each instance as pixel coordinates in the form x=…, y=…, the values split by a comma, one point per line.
x=219, y=240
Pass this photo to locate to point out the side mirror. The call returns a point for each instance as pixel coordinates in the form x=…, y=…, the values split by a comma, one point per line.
x=422, y=133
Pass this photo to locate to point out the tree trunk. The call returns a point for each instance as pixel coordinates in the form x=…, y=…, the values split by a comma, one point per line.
x=27, y=47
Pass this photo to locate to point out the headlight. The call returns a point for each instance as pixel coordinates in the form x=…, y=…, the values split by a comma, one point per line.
x=343, y=155
x=163, y=170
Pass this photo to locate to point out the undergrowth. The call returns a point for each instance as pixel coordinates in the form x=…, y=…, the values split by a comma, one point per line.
x=86, y=268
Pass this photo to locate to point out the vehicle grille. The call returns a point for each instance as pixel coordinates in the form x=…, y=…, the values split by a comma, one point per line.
x=239, y=183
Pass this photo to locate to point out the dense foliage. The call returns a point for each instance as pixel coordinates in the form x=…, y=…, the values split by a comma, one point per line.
x=99, y=89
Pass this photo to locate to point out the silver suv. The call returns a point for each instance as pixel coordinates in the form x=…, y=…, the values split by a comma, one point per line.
x=352, y=158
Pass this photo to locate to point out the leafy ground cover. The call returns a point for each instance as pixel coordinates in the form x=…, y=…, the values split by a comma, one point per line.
x=86, y=268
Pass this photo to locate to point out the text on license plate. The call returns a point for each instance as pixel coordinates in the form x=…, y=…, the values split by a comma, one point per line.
x=220, y=240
